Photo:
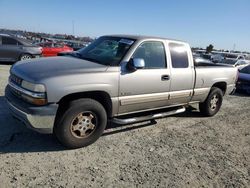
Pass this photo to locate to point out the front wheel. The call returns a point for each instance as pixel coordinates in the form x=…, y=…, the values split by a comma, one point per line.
x=81, y=124
x=213, y=102
x=25, y=57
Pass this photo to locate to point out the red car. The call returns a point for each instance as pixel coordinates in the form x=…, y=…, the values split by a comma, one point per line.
x=52, y=49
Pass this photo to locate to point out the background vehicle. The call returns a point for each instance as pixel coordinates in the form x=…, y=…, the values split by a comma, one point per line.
x=241, y=63
x=13, y=49
x=76, y=46
x=199, y=60
x=217, y=58
x=120, y=78
x=232, y=56
x=52, y=49
x=247, y=57
x=243, y=82
x=206, y=56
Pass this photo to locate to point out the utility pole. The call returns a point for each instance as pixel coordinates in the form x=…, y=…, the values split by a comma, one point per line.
x=234, y=47
x=73, y=27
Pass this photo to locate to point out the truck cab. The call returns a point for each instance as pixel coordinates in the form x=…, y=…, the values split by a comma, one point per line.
x=166, y=65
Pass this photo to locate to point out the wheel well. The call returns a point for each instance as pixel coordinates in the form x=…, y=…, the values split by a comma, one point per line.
x=100, y=96
x=222, y=86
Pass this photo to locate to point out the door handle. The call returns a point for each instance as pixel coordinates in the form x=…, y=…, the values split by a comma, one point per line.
x=165, y=77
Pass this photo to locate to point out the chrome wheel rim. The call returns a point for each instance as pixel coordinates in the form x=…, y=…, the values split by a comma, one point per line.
x=214, y=102
x=24, y=57
x=83, y=125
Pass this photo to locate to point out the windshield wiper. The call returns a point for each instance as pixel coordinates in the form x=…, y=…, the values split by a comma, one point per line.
x=73, y=54
x=88, y=58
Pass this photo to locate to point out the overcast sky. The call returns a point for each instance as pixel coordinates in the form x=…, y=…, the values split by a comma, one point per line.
x=222, y=23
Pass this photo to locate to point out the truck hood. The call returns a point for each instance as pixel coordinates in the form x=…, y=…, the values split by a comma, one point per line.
x=38, y=69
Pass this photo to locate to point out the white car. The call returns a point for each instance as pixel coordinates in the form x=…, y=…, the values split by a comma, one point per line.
x=241, y=63
x=232, y=56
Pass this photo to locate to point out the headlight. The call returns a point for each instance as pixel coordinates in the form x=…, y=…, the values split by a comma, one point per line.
x=33, y=87
x=37, y=95
x=32, y=93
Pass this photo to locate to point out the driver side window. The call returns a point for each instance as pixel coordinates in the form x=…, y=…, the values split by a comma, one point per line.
x=153, y=53
x=9, y=41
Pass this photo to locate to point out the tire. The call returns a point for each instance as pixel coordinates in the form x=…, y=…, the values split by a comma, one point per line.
x=213, y=102
x=81, y=124
x=25, y=57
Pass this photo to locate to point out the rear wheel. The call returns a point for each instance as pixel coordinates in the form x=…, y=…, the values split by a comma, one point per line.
x=25, y=57
x=81, y=124
x=213, y=102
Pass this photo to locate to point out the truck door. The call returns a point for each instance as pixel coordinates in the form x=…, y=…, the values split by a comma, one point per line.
x=182, y=73
x=149, y=87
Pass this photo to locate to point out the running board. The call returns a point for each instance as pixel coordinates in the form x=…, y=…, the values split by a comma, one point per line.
x=147, y=117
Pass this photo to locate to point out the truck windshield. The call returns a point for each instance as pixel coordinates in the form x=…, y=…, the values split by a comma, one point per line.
x=106, y=50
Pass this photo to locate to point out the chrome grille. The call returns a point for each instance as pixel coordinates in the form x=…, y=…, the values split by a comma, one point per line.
x=16, y=80
x=15, y=92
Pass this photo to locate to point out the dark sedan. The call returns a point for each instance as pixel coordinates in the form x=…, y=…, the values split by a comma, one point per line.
x=244, y=79
x=13, y=49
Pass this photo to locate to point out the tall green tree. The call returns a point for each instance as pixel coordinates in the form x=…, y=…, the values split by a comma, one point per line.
x=209, y=48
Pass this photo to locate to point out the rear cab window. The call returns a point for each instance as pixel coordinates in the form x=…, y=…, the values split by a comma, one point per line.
x=179, y=55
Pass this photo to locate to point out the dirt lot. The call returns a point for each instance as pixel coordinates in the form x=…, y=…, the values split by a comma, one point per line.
x=180, y=151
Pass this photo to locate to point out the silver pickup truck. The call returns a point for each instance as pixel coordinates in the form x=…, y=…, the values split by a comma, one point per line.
x=119, y=78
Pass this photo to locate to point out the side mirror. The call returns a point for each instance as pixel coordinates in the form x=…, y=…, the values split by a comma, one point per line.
x=136, y=63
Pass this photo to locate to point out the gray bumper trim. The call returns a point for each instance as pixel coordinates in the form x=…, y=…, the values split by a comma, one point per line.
x=39, y=123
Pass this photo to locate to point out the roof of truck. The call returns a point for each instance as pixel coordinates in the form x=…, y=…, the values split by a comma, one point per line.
x=142, y=37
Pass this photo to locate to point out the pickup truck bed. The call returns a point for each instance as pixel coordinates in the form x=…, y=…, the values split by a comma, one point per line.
x=203, y=79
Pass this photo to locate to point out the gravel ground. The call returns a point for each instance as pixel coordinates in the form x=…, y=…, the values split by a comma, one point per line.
x=181, y=151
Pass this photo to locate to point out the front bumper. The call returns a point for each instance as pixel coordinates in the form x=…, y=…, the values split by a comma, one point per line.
x=38, y=118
